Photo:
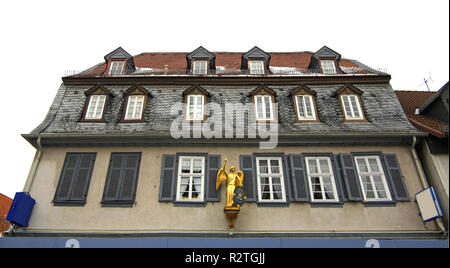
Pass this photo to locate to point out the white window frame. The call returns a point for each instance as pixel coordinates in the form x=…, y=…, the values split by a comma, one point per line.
x=113, y=68
x=270, y=175
x=200, y=67
x=320, y=175
x=370, y=174
x=256, y=66
x=191, y=176
x=195, y=107
x=264, y=107
x=95, y=108
x=328, y=66
x=352, y=107
x=133, y=115
x=302, y=104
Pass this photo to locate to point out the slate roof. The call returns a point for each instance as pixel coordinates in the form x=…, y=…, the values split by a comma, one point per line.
x=383, y=111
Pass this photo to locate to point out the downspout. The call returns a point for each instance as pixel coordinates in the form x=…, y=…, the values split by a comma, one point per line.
x=30, y=178
x=423, y=180
x=34, y=166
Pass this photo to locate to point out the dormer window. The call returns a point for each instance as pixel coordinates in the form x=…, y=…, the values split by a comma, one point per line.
x=200, y=67
x=350, y=99
x=328, y=66
x=256, y=66
x=195, y=107
x=200, y=62
x=195, y=102
x=255, y=62
x=134, y=105
x=95, y=107
x=264, y=103
x=96, y=100
x=116, y=68
x=304, y=102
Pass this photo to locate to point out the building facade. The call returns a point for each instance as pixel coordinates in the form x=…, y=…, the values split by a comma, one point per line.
x=131, y=148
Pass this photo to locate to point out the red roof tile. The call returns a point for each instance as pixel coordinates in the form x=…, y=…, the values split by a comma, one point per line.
x=228, y=60
x=410, y=101
x=5, y=204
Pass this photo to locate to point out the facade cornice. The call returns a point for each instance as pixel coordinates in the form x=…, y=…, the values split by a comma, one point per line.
x=229, y=80
x=326, y=139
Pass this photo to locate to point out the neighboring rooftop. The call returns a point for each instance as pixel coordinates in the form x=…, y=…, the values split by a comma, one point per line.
x=415, y=105
x=5, y=204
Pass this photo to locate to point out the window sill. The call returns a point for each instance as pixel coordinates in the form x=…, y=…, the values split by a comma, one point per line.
x=326, y=204
x=386, y=203
x=189, y=204
x=118, y=204
x=272, y=204
x=69, y=203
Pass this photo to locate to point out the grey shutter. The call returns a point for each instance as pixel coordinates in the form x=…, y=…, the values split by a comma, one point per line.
x=213, y=164
x=400, y=192
x=130, y=175
x=168, y=175
x=246, y=163
x=83, y=178
x=351, y=179
x=299, y=178
x=75, y=177
x=338, y=177
x=66, y=178
x=121, y=181
x=112, y=184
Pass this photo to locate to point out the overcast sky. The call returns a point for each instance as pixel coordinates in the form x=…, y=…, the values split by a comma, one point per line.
x=40, y=40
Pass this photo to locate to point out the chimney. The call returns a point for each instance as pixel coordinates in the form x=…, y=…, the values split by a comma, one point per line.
x=166, y=69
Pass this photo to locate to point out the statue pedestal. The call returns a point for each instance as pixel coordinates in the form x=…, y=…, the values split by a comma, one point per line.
x=231, y=214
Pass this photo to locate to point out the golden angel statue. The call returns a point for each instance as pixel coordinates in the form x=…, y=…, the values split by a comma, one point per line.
x=234, y=184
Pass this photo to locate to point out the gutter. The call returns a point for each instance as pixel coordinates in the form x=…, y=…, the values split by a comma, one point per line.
x=424, y=181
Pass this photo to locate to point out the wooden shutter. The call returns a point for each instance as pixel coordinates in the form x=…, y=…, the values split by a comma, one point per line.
x=351, y=178
x=299, y=178
x=213, y=166
x=75, y=178
x=121, y=181
x=168, y=175
x=246, y=163
x=400, y=193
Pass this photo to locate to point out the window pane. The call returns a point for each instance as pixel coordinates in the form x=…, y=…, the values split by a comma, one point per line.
x=348, y=110
x=259, y=107
x=274, y=166
x=308, y=106
x=362, y=165
x=313, y=166
x=116, y=68
x=263, y=168
x=197, y=166
x=355, y=105
x=186, y=166
x=301, y=112
x=268, y=108
x=324, y=168
x=373, y=165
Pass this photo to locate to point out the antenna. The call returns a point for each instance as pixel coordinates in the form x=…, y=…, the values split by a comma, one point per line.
x=425, y=81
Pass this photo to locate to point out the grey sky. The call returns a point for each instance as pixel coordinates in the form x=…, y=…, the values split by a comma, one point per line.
x=43, y=39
